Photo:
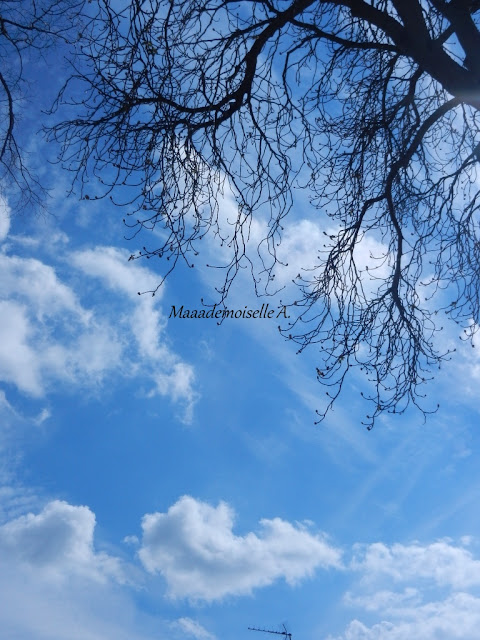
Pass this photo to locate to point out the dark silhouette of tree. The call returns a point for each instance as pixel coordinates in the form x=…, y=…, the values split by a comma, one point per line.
x=27, y=29
x=370, y=107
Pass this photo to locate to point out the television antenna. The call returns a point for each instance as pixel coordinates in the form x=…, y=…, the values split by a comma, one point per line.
x=285, y=633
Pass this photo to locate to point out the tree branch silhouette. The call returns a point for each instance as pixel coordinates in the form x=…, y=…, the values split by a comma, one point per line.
x=372, y=108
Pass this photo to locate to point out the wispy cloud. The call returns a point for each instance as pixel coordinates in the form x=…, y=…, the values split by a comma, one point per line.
x=52, y=334
x=193, y=629
x=171, y=376
x=4, y=218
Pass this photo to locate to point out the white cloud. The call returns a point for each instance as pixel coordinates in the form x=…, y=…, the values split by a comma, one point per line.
x=302, y=241
x=111, y=265
x=31, y=609
x=18, y=363
x=57, y=542
x=422, y=609
x=193, y=628
x=177, y=383
x=56, y=586
x=383, y=600
x=47, y=334
x=50, y=336
x=440, y=562
x=456, y=617
x=193, y=546
x=171, y=376
x=4, y=219
x=15, y=499
x=32, y=356
x=31, y=280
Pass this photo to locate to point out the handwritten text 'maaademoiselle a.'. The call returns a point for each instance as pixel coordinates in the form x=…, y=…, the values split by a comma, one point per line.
x=221, y=314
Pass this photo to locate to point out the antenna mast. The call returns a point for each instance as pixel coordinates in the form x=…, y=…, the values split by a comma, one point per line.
x=288, y=636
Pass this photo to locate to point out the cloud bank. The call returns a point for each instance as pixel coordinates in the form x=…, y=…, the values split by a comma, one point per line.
x=431, y=601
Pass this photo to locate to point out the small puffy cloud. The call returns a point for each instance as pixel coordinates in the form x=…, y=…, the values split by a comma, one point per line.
x=194, y=547
x=193, y=628
x=178, y=384
x=58, y=542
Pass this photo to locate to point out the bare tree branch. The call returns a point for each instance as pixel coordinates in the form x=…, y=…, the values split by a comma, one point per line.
x=371, y=107
x=26, y=26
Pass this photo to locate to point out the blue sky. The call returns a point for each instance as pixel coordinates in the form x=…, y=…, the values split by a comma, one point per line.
x=164, y=478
